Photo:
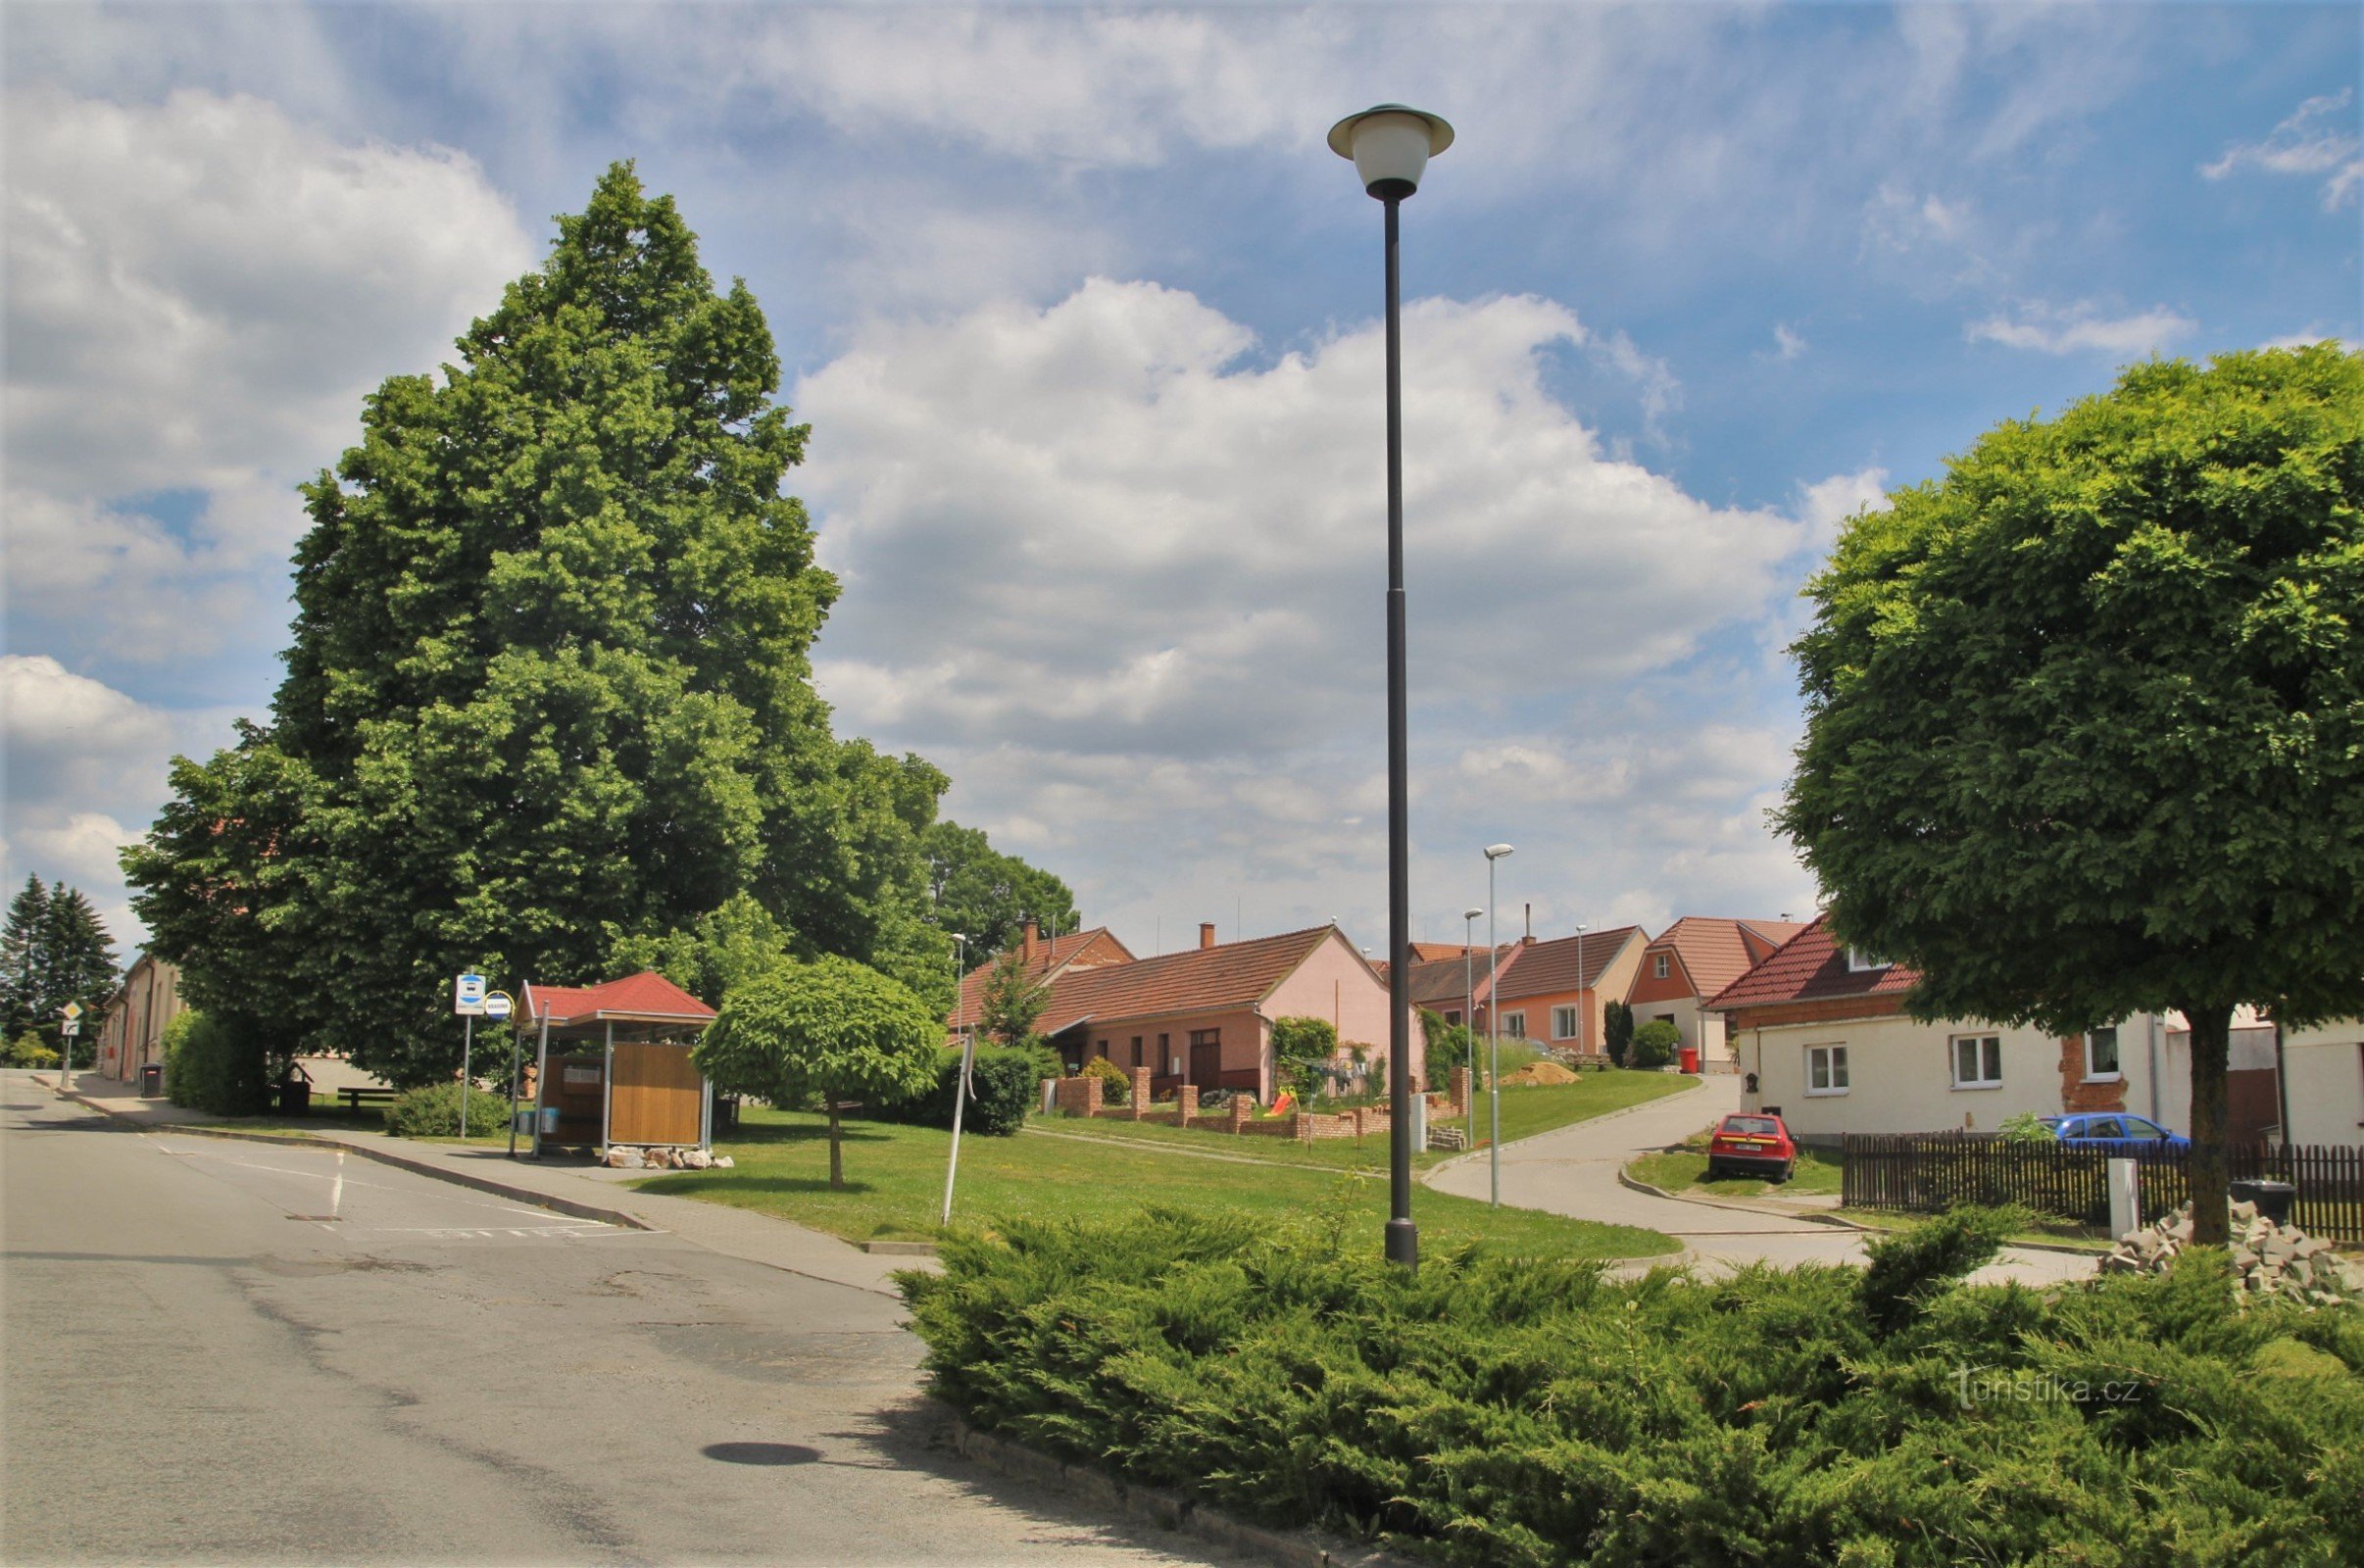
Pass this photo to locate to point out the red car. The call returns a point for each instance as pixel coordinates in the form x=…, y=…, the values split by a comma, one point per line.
x=1752, y=1142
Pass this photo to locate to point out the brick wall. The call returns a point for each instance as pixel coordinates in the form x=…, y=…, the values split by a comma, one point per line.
x=2075, y=1094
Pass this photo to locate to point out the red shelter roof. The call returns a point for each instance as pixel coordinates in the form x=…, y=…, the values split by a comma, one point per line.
x=644, y=998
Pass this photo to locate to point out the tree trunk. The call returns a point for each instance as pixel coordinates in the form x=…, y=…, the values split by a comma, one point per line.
x=2211, y=1096
x=837, y=1164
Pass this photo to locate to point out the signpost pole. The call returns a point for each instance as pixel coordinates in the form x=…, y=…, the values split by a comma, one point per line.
x=467, y=1046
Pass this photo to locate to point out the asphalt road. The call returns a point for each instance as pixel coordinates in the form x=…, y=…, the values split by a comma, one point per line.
x=202, y=1366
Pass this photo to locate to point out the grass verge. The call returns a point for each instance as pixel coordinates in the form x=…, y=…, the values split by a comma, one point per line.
x=895, y=1188
x=1685, y=1170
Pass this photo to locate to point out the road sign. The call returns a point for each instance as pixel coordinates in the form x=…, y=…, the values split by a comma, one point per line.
x=468, y=997
x=70, y=1012
x=496, y=1005
x=71, y=1026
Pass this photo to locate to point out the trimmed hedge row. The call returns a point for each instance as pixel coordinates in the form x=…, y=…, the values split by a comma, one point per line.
x=1534, y=1411
x=1004, y=1080
x=434, y=1112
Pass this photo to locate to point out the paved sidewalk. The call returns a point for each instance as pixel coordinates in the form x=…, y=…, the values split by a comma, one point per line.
x=571, y=1187
x=1574, y=1170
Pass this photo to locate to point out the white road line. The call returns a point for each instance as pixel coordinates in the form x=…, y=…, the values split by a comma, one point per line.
x=380, y=1186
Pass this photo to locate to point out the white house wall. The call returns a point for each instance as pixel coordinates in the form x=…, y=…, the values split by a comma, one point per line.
x=2326, y=1067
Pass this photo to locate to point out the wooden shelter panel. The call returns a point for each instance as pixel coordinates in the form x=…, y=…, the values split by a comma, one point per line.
x=574, y=1086
x=657, y=1096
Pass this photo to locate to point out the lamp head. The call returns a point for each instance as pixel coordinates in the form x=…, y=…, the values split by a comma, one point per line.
x=1391, y=146
x=1494, y=852
x=1471, y=915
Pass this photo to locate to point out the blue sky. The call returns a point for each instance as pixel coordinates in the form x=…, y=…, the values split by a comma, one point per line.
x=1083, y=314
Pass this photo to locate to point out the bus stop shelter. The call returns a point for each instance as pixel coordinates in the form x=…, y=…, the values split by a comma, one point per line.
x=612, y=1063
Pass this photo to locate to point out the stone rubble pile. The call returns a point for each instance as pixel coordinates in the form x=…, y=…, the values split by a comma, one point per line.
x=2267, y=1258
x=622, y=1157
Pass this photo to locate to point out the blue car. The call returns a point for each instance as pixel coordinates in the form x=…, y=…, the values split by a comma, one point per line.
x=2114, y=1132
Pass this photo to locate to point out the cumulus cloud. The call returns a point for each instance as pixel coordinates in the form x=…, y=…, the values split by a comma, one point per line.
x=2082, y=329
x=2316, y=139
x=1788, y=344
x=200, y=293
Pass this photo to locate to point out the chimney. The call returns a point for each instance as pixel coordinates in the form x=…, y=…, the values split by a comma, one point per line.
x=1026, y=943
x=1205, y=933
x=1530, y=937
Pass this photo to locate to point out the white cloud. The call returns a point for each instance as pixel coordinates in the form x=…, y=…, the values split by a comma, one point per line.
x=2082, y=328
x=1787, y=343
x=2310, y=142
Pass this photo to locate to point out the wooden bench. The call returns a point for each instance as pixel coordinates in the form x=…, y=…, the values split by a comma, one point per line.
x=356, y=1098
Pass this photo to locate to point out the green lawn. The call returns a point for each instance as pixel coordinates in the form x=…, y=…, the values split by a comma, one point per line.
x=895, y=1187
x=1526, y=1112
x=1686, y=1171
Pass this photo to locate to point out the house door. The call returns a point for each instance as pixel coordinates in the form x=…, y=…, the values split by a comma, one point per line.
x=1206, y=1062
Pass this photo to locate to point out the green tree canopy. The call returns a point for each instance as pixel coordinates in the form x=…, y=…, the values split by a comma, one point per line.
x=1012, y=1001
x=2086, y=717
x=53, y=950
x=1300, y=1046
x=830, y=1031
x=550, y=689
x=987, y=895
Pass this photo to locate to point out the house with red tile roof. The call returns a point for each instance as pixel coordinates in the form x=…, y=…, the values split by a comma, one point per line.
x=1204, y=1015
x=1041, y=959
x=1820, y=1033
x=1689, y=961
x=1552, y=992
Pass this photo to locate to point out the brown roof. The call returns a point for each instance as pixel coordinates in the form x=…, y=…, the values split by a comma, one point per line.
x=1438, y=985
x=1811, y=966
x=1717, y=951
x=1548, y=969
x=1231, y=975
x=1050, y=956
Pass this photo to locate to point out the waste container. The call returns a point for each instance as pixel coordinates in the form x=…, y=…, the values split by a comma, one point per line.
x=2273, y=1198
x=1689, y=1057
x=550, y=1121
x=150, y=1080
x=295, y=1100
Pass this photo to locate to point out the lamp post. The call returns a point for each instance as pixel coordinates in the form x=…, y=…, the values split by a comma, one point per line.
x=1583, y=1008
x=1391, y=146
x=969, y=1052
x=1469, y=1016
x=1493, y=1035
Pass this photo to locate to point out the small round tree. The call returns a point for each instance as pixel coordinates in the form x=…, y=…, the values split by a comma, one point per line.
x=1300, y=1046
x=1654, y=1043
x=832, y=1030
x=2085, y=718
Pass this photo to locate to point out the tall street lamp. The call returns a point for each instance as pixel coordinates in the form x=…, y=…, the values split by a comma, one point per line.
x=1469, y=1016
x=1391, y=146
x=1494, y=1034
x=969, y=1055
x=1582, y=1010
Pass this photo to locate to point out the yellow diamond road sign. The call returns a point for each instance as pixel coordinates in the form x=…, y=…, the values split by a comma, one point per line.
x=73, y=1009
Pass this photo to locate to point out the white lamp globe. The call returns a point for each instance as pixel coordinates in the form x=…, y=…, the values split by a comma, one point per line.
x=1391, y=146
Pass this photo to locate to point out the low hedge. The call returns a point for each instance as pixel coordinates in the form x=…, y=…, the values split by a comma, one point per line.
x=216, y=1063
x=1506, y=1410
x=1005, y=1086
x=434, y=1112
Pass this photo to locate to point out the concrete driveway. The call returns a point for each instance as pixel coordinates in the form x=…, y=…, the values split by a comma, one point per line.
x=1574, y=1171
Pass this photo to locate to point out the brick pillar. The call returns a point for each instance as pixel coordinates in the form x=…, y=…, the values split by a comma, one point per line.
x=1362, y=1121
x=1461, y=1090
x=1239, y=1107
x=1091, y=1096
x=1186, y=1105
x=1139, y=1101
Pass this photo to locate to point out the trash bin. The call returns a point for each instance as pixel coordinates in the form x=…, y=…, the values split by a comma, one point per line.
x=295, y=1100
x=522, y=1120
x=550, y=1121
x=2273, y=1198
x=150, y=1080
x=1689, y=1057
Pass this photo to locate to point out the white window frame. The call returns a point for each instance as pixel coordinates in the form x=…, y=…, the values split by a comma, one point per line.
x=1835, y=1078
x=2117, y=1073
x=1860, y=961
x=1990, y=1053
x=1565, y=1016
x=1662, y=966
x=1515, y=1025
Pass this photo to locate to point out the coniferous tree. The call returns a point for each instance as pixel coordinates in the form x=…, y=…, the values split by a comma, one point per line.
x=21, y=959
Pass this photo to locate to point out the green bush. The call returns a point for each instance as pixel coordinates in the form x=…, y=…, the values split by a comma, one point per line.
x=1005, y=1082
x=1616, y=1031
x=1114, y=1086
x=434, y=1112
x=1535, y=1411
x=1302, y=1048
x=2024, y=1127
x=1515, y=1055
x=28, y=1049
x=1654, y=1044
x=216, y=1063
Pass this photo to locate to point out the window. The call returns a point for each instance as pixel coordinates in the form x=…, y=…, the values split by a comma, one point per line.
x=1514, y=1024
x=1978, y=1061
x=1136, y=1051
x=2102, y=1054
x=1452, y=1016
x=1661, y=966
x=1564, y=1023
x=1826, y=1069
x=1858, y=960
x=1207, y=1036
x=1099, y=1047
x=2147, y=1131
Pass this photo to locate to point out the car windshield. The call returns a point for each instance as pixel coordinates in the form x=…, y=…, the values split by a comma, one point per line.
x=1761, y=1126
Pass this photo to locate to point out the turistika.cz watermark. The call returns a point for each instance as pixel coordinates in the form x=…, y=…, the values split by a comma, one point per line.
x=1979, y=1385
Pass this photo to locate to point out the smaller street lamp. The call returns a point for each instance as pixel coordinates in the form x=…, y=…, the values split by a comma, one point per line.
x=1469, y=1014
x=969, y=1053
x=1583, y=1009
x=1493, y=1035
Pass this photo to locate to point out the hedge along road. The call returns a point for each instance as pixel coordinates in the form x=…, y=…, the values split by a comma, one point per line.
x=1574, y=1171
x=198, y=1371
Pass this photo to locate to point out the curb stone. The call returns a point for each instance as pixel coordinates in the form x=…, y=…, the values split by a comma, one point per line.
x=1833, y=1220
x=386, y=1157
x=1165, y=1509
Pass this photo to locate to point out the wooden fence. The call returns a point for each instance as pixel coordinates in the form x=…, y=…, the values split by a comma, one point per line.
x=1928, y=1173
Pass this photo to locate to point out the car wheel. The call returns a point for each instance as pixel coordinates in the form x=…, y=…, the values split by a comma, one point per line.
x=1714, y=1171
x=1788, y=1171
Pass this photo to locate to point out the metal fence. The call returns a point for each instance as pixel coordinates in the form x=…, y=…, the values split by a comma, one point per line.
x=1928, y=1173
